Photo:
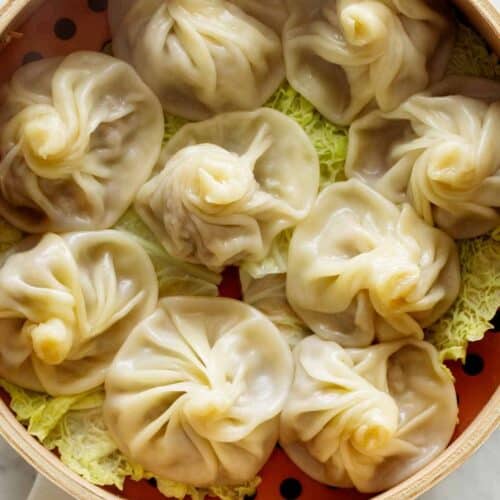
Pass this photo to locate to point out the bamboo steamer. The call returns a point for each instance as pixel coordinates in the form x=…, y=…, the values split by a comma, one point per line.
x=487, y=20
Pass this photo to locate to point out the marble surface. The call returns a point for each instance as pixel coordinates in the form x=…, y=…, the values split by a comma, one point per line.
x=477, y=479
x=16, y=477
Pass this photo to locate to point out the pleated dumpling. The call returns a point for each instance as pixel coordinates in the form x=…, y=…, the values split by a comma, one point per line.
x=226, y=187
x=345, y=55
x=194, y=394
x=440, y=151
x=361, y=268
x=78, y=136
x=370, y=417
x=203, y=57
x=67, y=303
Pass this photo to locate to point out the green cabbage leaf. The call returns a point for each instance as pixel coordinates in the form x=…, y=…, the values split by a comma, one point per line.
x=479, y=299
x=75, y=427
x=471, y=56
x=172, y=489
x=276, y=261
x=329, y=140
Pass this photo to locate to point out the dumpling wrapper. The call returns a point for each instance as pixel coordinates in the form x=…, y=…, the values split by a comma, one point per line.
x=361, y=268
x=370, y=417
x=203, y=57
x=440, y=151
x=225, y=188
x=347, y=55
x=78, y=136
x=67, y=303
x=194, y=394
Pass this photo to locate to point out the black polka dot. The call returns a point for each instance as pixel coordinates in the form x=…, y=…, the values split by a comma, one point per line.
x=65, y=28
x=474, y=364
x=290, y=488
x=31, y=57
x=98, y=5
x=153, y=482
x=251, y=497
x=496, y=322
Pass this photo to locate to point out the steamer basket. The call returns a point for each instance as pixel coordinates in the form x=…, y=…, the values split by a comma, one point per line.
x=479, y=393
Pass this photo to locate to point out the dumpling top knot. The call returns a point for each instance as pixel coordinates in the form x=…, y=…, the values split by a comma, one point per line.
x=221, y=177
x=396, y=275
x=452, y=163
x=52, y=340
x=366, y=24
x=44, y=133
x=48, y=145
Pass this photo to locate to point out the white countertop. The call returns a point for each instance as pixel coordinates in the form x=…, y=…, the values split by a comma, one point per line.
x=478, y=479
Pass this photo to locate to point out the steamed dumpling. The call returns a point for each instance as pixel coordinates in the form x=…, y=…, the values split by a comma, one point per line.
x=226, y=187
x=344, y=55
x=67, y=303
x=78, y=136
x=195, y=393
x=203, y=57
x=368, y=418
x=359, y=267
x=440, y=151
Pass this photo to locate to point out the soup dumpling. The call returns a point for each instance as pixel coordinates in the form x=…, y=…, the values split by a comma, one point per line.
x=203, y=57
x=368, y=417
x=78, y=136
x=440, y=151
x=194, y=394
x=345, y=55
x=67, y=303
x=360, y=268
x=226, y=187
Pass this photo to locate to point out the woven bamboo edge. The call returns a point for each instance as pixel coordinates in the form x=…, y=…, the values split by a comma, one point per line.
x=453, y=457
x=13, y=12
x=485, y=17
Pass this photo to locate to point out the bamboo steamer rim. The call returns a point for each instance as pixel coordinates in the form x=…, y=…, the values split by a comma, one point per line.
x=14, y=11
x=455, y=455
x=487, y=19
